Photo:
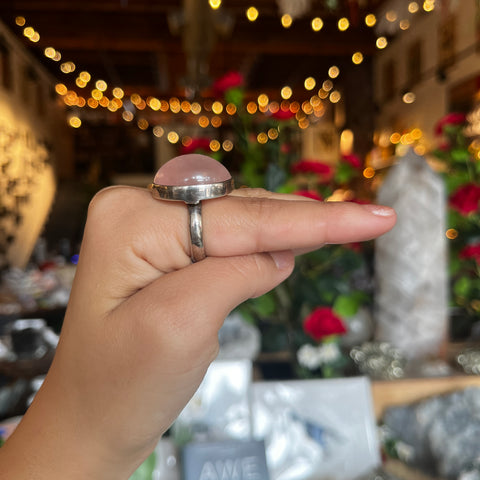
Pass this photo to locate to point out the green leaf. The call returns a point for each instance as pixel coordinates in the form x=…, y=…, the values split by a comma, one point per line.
x=460, y=155
x=462, y=287
x=346, y=305
x=264, y=305
x=145, y=470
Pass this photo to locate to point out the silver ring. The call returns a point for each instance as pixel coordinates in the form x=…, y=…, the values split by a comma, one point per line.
x=192, y=188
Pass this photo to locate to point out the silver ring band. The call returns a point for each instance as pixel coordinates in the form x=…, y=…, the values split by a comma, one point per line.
x=197, y=250
x=193, y=173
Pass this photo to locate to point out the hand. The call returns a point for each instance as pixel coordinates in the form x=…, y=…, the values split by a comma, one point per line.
x=142, y=322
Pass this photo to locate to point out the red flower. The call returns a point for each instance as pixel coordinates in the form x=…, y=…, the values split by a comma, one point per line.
x=283, y=114
x=455, y=118
x=228, y=81
x=322, y=322
x=471, y=251
x=466, y=198
x=352, y=160
x=312, y=166
x=309, y=194
x=202, y=144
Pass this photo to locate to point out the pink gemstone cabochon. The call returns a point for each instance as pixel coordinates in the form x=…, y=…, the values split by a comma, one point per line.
x=192, y=169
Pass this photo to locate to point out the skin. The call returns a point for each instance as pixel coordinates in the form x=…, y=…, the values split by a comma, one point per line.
x=141, y=326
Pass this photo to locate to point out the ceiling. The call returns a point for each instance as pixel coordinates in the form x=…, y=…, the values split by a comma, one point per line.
x=174, y=47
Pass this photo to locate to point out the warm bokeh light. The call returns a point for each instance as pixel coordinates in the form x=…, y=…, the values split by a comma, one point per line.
x=217, y=107
x=20, y=21
x=451, y=234
x=127, y=115
x=80, y=83
x=309, y=83
x=317, y=24
x=272, y=133
x=92, y=103
x=286, y=20
x=404, y=24
x=327, y=85
x=395, y=138
x=263, y=100
x=57, y=57
x=75, y=122
x=252, y=108
x=67, y=67
x=391, y=16
x=214, y=145
x=85, y=76
x=101, y=85
x=333, y=71
x=408, y=97
x=322, y=93
x=370, y=20
x=216, y=121
x=28, y=32
x=252, y=14
x=158, y=131
x=61, y=89
x=343, y=24
x=369, y=172
x=203, y=121
x=173, y=137
x=196, y=108
x=49, y=52
x=118, y=92
x=185, y=106
x=35, y=37
x=315, y=101
x=286, y=92
x=215, y=4
x=231, y=109
x=381, y=42
x=357, y=58
x=227, y=145
x=96, y=94
x=154, y=104
x=335, y=96
x=429, y=5
x=262, y=138
x=413, y=7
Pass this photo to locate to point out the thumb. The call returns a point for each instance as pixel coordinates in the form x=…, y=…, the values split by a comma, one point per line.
x=198, y=298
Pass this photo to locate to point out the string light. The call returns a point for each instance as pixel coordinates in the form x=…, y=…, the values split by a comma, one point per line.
x=381, y=42
x=317, y=24
x=343, y=24
x=357, y=58
x=370, y=20
x=286, y=20
x=313, y=106
x=252, y=14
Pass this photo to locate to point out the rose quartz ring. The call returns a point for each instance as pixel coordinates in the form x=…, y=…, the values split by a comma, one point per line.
x=191, y=179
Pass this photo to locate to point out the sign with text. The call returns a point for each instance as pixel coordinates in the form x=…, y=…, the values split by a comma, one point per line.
x=226, y=460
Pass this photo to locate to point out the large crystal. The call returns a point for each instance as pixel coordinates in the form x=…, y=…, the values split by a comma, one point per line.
x=411, y=261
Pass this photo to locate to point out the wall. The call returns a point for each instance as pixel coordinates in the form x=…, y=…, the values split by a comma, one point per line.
x=432, y=92
x=34, y=144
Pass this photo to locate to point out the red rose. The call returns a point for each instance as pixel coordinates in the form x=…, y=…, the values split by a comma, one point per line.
x=228, y=81
x=352, y=160
x=283, y=115
x=312, y=166
x=322, y=322
x=202, y=144
x=309, y=194
x=455, y=118
x=466, y=198
x=471, y=251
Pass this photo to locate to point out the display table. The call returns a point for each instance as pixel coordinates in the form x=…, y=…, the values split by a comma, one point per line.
x=403, y=391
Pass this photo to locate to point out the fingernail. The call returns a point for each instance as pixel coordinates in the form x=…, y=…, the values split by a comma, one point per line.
x=380, y=210
x=282, y=260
